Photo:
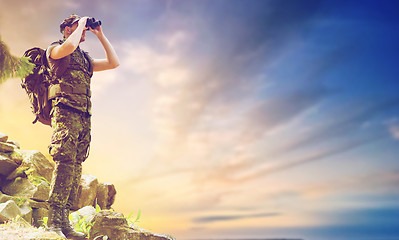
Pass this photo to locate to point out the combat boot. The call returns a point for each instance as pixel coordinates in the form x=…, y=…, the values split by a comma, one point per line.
x=54, y=222
x=67, y=229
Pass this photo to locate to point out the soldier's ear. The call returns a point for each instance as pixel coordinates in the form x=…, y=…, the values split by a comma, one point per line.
x=67, y=30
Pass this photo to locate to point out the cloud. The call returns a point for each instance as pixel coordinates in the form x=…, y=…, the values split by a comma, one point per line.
x=276, y=111
x=23, y=26
x=394, y=131
x=223, y=218
x=393, y=127
x=341, y=122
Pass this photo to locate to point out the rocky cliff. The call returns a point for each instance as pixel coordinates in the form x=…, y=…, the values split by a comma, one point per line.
x=25, y=177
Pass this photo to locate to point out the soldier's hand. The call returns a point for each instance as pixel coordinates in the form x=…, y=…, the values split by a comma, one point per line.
x=97, y=31
x=83, y=21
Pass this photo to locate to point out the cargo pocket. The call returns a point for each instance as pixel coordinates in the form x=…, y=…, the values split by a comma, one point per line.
x=58, y=148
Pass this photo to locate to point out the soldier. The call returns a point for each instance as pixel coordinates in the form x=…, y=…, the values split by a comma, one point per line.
x=69, y=92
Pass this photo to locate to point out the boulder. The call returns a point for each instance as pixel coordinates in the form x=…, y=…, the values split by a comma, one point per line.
x=17, y=156
x=8, y=211
x=15, y=143
x=87, y=213
x=22, y=230
x=37, y=165
x=3, y=137
x=44, y=235
x=22, y=187
x=87, y=192
x=36, y=204
x=37, y=216
x=106, y=195
x=26, y=212
x=115, y=227
x=7, y=165
x=4, y=198
x=6, y=147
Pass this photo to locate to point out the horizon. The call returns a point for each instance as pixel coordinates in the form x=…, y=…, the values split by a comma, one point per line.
x=234, y=119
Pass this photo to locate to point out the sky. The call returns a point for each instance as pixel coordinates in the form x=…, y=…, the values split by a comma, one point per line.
x=234, y=118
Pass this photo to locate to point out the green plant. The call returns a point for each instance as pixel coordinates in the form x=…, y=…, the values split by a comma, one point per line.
x=98, y=208
x=83, y=226
x=44, y=222
x=17, y=179
x=130, y=217
x=20, y=201
x=11, y=66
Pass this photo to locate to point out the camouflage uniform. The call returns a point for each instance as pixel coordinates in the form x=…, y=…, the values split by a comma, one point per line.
x=70, y=121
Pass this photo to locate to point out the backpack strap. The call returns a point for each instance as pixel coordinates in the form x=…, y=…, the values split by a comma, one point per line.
x=89, y=59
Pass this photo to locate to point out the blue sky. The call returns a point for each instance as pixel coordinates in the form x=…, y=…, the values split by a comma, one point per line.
x=236, y=119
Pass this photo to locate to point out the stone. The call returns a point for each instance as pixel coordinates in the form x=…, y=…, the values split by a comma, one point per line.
x=17, y=156
x=37, y=216
x=114, y=226
x=5, y=147
x=87, y=192
x=15, y=143
x=105, y=195
x=37, y=205
x=87, y=213
x=42, y=193
x=19, y=172
x=22, y=187
x=45, y=236
x=4, y=198
x=38, y=164
x=3, y=137
x=8, y=211
x=26, y=213
x=7, y=165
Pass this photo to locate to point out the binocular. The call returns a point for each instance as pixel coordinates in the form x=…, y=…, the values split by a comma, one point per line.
x=92, y=23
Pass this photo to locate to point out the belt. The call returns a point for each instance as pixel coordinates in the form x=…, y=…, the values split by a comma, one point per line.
x=57, y=90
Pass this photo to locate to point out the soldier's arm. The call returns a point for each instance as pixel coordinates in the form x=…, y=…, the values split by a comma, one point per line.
x=111, y=61
x=71, y=43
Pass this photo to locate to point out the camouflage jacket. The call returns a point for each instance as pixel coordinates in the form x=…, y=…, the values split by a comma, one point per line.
x=71, y=79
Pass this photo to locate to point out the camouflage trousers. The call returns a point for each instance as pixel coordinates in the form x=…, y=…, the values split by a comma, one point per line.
x=69, y=148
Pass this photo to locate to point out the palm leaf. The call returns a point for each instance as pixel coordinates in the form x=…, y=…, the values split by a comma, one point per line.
x=11, y=66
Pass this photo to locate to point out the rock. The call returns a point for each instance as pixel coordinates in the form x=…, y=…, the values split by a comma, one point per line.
x=38, y=165
x=17, y=156
x=106, y=195
x=114, y=225
x=87, y=192
x=22, y=230
x=26, y=213
x=3, y=137
x=36, y=205
x=8, y=211
x=38, y=215
x=6, y=165
x=19, y=172
x=22, y=187
x=87, y=213
x=45, y=236
x=4, y=198
x=5, y=147
x=15, y=143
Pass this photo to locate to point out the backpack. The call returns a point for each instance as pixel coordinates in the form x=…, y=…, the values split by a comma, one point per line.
x=36, y=85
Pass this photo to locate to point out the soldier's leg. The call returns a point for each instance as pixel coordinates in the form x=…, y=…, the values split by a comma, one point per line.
x=82, y=153
x=61, y=183
x=67, y=229
x=83, y=148
x=63, y=150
